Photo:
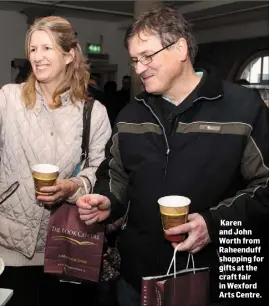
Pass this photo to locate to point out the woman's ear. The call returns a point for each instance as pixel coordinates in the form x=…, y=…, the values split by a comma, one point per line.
x=70, y=56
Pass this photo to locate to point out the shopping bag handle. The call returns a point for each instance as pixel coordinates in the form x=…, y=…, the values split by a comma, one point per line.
x=173, y=261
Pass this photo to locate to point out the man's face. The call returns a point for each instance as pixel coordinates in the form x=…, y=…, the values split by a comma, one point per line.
x=160, y=75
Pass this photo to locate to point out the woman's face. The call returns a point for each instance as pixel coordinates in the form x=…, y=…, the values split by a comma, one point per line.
x=48, y=63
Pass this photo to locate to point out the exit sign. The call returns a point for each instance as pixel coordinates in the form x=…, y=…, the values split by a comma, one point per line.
x=94, y=48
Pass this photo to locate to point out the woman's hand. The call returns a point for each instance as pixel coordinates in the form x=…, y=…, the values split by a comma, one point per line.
x=62, y=190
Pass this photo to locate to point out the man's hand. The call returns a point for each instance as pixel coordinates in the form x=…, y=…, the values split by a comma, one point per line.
x=62, y=189
x=198, y=236
x=93, y=208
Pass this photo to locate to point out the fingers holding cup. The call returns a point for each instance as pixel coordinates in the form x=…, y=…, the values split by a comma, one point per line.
x=174, y=211
x=44, y=175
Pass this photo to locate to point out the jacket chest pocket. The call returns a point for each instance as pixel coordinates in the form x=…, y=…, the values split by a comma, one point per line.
x=212, y=140
x=139, y=142
x=136, y=150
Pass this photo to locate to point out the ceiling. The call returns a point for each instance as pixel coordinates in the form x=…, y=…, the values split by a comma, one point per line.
x=201, y=14
x=123, y=7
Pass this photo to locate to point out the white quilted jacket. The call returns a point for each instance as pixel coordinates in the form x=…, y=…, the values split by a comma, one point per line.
x=32, y=136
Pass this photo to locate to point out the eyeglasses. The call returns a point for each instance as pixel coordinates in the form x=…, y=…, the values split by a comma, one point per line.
x=147, y=59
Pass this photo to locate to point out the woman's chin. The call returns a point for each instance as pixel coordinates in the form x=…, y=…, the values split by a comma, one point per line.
x=42, y=79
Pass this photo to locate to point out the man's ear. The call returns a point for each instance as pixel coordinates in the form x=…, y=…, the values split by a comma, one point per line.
x=182, y=47
x=70, y=56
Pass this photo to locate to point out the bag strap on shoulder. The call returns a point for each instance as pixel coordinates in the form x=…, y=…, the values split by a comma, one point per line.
x=87, y=110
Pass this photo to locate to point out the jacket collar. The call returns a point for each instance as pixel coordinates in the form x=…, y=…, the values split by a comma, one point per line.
x=211, y=88
x=65, y=96
x=65, y=99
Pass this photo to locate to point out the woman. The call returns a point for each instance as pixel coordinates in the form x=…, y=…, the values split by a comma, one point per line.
x=41, y=122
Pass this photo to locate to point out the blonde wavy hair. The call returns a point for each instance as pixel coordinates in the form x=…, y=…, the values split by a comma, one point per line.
x=77, y=74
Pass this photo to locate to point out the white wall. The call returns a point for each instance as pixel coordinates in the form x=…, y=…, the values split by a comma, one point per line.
x=13, y=27
x=90, y=31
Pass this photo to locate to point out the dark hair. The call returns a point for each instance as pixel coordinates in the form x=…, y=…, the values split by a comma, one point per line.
x=167, y=23
x=126, y=77
x=110, y=86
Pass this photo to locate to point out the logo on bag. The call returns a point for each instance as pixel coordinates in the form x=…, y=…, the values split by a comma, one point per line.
x=79, y=234
x=72, y=240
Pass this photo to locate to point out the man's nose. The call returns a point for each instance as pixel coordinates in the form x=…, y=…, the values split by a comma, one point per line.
x=140, y=68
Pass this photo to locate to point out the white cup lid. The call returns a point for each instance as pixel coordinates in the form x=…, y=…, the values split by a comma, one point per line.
x=174, y=201
x=45, y=168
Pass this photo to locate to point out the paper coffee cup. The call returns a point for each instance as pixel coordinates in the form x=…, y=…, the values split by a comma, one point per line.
x=44, y=175
x=174, y=211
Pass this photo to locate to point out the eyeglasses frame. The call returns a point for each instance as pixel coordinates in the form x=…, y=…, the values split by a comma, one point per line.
x=134, y=63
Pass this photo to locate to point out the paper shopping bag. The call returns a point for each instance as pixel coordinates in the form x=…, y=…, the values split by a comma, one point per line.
x=73, y=249
x=188, y=287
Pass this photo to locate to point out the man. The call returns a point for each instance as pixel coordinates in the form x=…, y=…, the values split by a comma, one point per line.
x=110, y=100
x=123, y=95
x=191, y=134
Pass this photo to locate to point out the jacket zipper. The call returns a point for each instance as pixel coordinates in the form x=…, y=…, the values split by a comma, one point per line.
x=166, y=153
x=125, y=217
x=158, y=120
x=165, y=137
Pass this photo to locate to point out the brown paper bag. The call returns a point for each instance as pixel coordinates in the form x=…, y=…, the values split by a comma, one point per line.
x=73, y=249
x=188, y=287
